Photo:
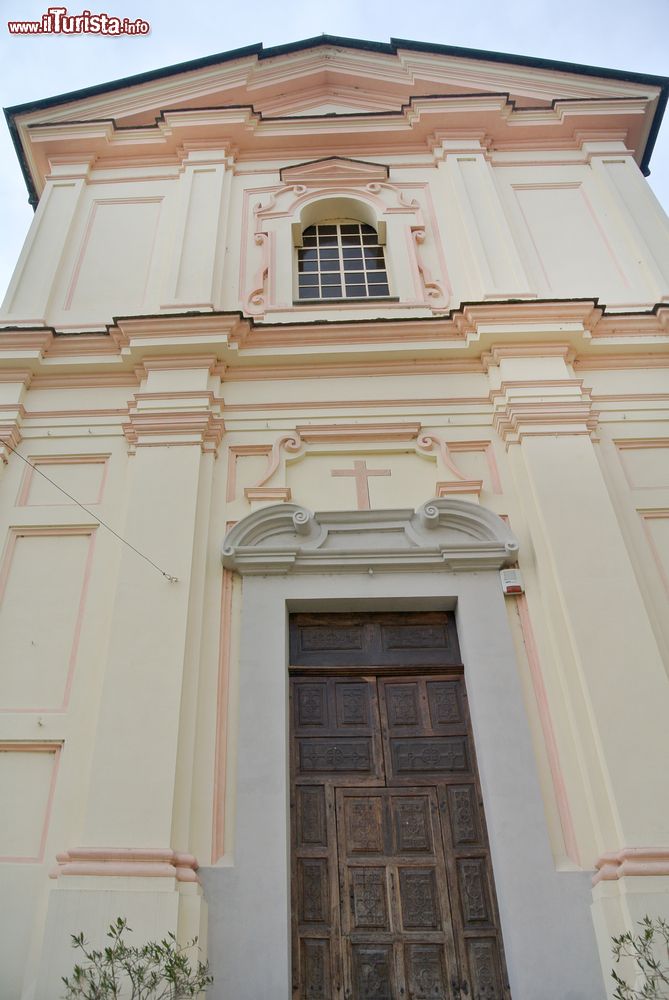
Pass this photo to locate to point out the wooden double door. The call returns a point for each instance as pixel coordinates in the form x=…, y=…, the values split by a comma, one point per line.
x=392, y=891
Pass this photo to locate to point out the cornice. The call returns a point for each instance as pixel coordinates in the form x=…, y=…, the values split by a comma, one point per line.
x=443, y=534
x=390, y=72
x=469, y=338
x=245, y=128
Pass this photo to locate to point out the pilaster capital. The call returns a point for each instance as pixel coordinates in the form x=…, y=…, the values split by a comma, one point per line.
x=551, y=407
x=13, y=384
x=158, y=419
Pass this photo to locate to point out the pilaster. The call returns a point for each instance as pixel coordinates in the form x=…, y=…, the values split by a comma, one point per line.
x=13, y=386
x=200, y=238
x=132, y=858
x=500, y=270
x=603, y=643
x=29, y=293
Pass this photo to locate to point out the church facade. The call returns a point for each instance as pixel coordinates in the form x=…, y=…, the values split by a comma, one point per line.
x=334, y=524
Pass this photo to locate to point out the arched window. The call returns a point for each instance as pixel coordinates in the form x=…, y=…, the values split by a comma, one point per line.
x=341, y=259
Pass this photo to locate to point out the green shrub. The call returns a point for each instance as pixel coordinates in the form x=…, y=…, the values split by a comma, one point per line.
x=649, y=951
x=159, y=970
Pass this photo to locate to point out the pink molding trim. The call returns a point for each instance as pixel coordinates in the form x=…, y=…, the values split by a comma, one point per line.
x=656, y=514
x=637, y=444
x=353, y=369
x=104, y=380
x=159, y=429
x=428, y=442
x=498, y=352
x=633, y=862
x=604, y=237
x=288, y=442
x=90, y=222
x=133, y=862
x=465, y=447
x=559, y=786
x=345, y=433
x=278, y=493
x=23, y=498
x=220, y=752
x=612, y=362
x=36, y=747
x=626, y=443
x=236, y=451
x=10, y=437
x=311, y=404
x=13, y=536
x=445, y=489
x=431, y=285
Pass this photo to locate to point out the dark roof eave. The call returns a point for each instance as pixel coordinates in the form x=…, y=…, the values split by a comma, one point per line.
x=385, y=48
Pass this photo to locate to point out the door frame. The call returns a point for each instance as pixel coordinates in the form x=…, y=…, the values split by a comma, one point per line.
x=544, y=914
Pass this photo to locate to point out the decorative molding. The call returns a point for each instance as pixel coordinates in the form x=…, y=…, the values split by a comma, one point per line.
x=266, y=493
x=287, y=442
x=304, y=434
x=256, y=298
x=222, y=705
x=47, y=531
x=467, y=486
x=36, y=746
x=346, y=433
x=553, y=407
x=428, y=442
x=486, y=448
x=455, y=535
x=235, y=452
x=36, y=461
x=550, y=741
x=173, y=427
x=10, y=438
x=431, y=286
x=633, y=862
x=499, y=352
x=126, y=862
x=649, y=515
x=334, y=170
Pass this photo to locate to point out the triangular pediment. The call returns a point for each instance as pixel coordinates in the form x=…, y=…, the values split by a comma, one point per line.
x=256, y=99
x=334, y=170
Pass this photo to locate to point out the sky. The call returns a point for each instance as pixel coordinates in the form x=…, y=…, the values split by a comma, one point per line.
x=618, y=34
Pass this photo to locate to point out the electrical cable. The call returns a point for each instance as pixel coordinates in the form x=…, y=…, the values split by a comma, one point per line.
x=103, y=524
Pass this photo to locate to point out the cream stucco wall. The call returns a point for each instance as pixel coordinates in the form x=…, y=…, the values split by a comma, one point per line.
x=155, y=367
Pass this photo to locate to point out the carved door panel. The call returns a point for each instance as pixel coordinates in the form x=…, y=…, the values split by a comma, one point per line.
x=392, y=890
x=396, y=914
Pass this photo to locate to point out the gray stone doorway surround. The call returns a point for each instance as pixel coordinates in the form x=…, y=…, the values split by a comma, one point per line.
x=445, y=555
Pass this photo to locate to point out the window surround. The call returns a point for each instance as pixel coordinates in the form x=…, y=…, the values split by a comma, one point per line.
x=276, y=217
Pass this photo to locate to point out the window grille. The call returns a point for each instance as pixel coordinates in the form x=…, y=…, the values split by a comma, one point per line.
x=341, y=260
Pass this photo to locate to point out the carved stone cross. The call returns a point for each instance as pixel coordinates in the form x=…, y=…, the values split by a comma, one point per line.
x=361, y=474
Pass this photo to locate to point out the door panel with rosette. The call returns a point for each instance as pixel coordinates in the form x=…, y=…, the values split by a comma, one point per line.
x=392, y=895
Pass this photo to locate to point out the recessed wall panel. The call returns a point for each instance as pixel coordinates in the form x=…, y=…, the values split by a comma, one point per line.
x=81, y=477
x=26, y=776
x=646, y=464
x=113, y=263
x=42, y=582
x=573, y=253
